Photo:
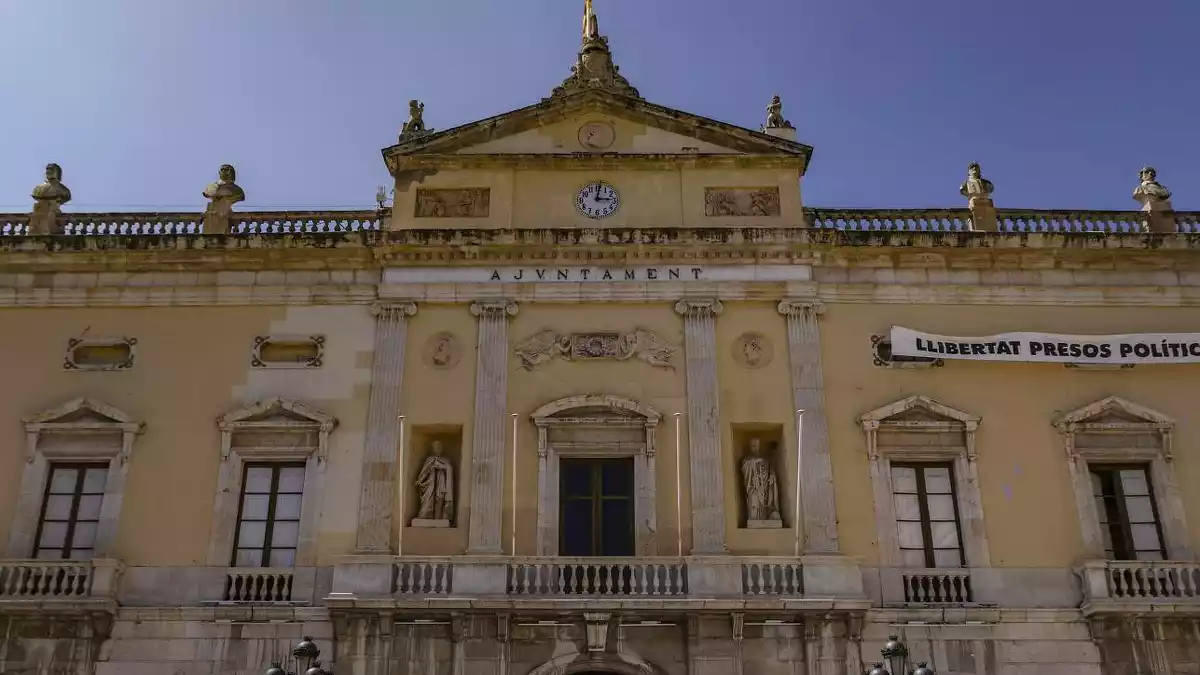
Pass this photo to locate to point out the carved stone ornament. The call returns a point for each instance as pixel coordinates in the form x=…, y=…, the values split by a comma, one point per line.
x=596, y=624
x=453, y=203
x=753, y=350
x=594, y=67
x=775, y=119
x=741, y=202
x=641, y=343
x=100, y=353
x=443, y=351
x=415, y=126
x=288, y=351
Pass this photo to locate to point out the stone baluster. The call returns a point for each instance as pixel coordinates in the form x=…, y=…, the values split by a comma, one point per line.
x=383, y=427
x=808, y=393
x=488, y=437
x=704, y=427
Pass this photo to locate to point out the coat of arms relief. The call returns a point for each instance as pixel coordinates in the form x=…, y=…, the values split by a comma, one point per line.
x=640, y=343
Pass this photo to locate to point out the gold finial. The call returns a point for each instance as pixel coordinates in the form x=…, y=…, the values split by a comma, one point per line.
x=591, y=27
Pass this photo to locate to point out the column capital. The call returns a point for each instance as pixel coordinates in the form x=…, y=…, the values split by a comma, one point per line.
x=501, y=308
x=401, y=308
x=699, y=307
x=801, y=307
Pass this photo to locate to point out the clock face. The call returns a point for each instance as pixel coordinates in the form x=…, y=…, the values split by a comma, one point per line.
x=597, y=200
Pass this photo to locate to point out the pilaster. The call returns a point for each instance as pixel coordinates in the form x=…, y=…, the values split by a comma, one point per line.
x=488, y=437
x=383, y=427
x=808, y=393
x=704, y=425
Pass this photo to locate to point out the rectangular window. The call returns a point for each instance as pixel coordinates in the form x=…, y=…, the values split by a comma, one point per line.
x=597, y=509
x=70, y=511
x=268, y=527
x=927, y=515
x=1127, y=512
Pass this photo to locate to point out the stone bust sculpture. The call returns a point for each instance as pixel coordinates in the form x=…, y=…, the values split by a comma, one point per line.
x=761, y=489
x=222, y=195
x=1150, y=193
x=775, y=118
x=435, y=487
x=976, y=187
x=48, y=199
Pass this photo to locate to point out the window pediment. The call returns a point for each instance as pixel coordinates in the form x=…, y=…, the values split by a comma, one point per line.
x=1113, y=414
x=277, y=413
x=916, y=412
x=82, y=415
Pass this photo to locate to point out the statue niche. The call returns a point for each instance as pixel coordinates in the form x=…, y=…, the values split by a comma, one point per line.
x=435, y=490
x=760, y=488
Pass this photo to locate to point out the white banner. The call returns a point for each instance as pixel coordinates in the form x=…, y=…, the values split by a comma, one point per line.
x=1051, y=348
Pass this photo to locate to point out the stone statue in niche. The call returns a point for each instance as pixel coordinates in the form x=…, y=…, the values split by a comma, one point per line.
x=453, y=203
x=48, y=199
x=741, y=202
x=222, y=195
x=435, y=487
x=762, y=489
x=1150, y=193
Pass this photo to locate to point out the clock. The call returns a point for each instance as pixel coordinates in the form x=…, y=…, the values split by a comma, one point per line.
x=597, y=200
x=596, y=136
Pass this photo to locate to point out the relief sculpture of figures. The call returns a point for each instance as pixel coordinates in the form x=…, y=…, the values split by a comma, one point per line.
x=641, y=343
x=762, y=489
x=453, y=203
x=741, y=202
x=435, y=486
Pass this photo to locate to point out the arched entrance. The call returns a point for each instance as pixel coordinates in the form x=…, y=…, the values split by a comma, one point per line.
x=594, y=436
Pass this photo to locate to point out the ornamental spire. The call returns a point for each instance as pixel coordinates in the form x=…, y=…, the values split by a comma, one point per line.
x=594, y=67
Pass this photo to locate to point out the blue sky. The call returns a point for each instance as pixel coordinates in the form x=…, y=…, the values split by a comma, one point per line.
x=1062, y=101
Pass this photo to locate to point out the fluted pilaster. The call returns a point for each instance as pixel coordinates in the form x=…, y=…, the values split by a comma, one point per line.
x=488, y=437
x=383, y=427
x=704, y=424
x=808, y=392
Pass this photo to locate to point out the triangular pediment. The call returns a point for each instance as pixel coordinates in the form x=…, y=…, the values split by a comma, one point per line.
x=916, y=410
x=557, y=125
x=1113, y=410
x=279, y=412
x=82, y=413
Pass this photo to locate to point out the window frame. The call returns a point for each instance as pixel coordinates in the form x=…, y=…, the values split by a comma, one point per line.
x=1158, y=461
x=596, y=499
x=1123, y=521
x=270, y=521
x=84, y=431
x=964, y=469
x=926, y=520
x=73, y=516
x=280, y=417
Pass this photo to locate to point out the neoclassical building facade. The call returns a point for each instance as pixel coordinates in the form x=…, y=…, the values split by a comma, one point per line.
x=599, y=393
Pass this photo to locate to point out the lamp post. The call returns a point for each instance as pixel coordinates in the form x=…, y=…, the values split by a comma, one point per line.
x=896, y=656
x=307, y=653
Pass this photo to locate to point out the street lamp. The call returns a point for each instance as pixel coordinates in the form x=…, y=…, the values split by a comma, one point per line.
x=307, y=653
x=896, y=656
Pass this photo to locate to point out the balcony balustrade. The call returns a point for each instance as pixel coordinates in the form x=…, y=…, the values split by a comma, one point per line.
x=937, y=586
x=598, y=577
x=45, y=584
x=258, y=584
x=1124, y=585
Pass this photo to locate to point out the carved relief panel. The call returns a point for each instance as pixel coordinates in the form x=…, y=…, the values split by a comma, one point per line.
x=453, y=203
x=100, y=353
x=641, y=344
x=741, y=201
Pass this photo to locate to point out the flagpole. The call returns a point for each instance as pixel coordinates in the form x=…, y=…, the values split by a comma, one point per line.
x=513, y=534
x=402, y=481
x=799, y=460
x=678, y=488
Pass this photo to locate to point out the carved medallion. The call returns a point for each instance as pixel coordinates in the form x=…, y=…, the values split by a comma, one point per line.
x=753, y=350
x=454, y=203
x=641, y=344
x=741, y=201
x=442, y=351
x=597, y=136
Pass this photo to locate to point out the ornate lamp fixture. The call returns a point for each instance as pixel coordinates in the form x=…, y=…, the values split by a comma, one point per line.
x=307, y=653
x=896, y=656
